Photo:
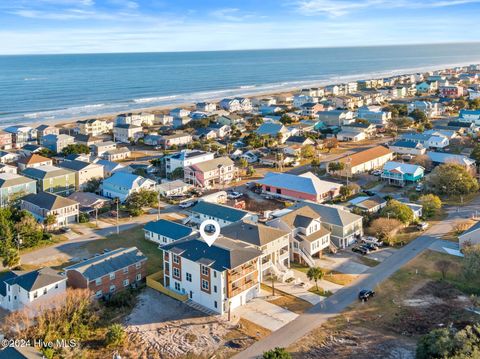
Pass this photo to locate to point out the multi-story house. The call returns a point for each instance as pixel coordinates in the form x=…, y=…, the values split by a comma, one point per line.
x=33, y=161
x=272, y=242
x=223, y=215
x=363, y=161
x=44, y=204
x=109, y=273
x=52, y=179
x=121, y=185
x=13, y=186
x=4, y=168
x=179, y=113
x=6, y=142
x=399, y=174
x=141, y=119
x=57, y=143
x=206, y=174
x=311, y=108
x=345, y=227
x=470, y=116
x=93, y=127
x=405, y=147
x=452, y=91
x=220, y=277
x=206, y=106
x=374, y=115
x=306, y=186
x=84, y=172
x=126, y=132
x=22, y=135
x=101, y=147
x=336, y=117
x=38, y=288
x=431, y=109
x=179, y=139
x=185, y=158
x=307, y=237
x=44, y=130
x=427, y=140
x=427, y=86
x=164, y=231
x=117, y=154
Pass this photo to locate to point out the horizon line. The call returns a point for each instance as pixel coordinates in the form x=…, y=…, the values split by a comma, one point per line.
x=245, y=49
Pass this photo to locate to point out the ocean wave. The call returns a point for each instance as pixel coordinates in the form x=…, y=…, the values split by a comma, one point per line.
x=35, y=78
x=153, y=99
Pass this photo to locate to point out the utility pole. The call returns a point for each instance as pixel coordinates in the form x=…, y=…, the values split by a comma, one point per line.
x=96, y=217
x=118, y=229
x=158, y=201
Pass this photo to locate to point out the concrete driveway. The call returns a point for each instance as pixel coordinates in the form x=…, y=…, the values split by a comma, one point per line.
x=381, y=254
x=448, y=247
x=342, y=262
x=265, y=314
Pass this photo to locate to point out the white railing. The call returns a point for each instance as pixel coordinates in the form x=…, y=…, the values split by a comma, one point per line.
x=307, y=257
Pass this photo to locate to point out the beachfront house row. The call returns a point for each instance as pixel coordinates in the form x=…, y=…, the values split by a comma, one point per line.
x=272, y=242
x=6, y=142
x=400, y=174
x=126, y=132
x=34, y=289
x=363, y=161
x=22, y=135
x=13, y=186
x=307, y=236
x=137, y=119
x=109, y=273
x=94, y=127
x=44, y=130
x=52, y=179
x=57, y=143
x=206, y=106
x=164, y=231
x=306, y=186
x=122, y=184
x=43, y=204
x=220, y=277
x=84, y=172
x=207, y=174
x=223, y=215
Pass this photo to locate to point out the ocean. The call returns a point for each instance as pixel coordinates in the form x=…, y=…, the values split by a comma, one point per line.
x=62, y=87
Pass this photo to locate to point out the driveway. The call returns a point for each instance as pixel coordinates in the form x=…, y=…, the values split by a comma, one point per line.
x=342, y=262
x=265, y=314
x=381, y=254
x=447, y=247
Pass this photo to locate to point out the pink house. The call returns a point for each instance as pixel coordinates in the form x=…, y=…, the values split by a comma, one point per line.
x=451, y=91
x=208, y=173
x=306, y=186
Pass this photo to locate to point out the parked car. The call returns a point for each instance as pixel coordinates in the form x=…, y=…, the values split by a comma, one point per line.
x=370, y=246
x=187, y=204
x=372, y=240
x=365, y=294
x=422, y=226
x=377, y=173
x=369, y=193
x=234, y=195
x=419, y=187
x=361, y=250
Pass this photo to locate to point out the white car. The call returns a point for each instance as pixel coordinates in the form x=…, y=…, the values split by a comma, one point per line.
x=187, y=204
x=422, y=226
x=377, y=173
x=234, y=195
x=419, y=187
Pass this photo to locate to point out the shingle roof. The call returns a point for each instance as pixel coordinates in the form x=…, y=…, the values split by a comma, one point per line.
x=300, y=217
x=304, y=183
x=226, y=213
x=168, y=229
x=254, y=233
x=32, y=159
x=222, y=255
x=365, y=156
x=322, y=232
x=212, y=165
x=269, y=128
x=104, y=264
x=125, y=179
x=48, y=201
x=46, y=171
x=36, y=279
x=330, y=214
x=10, y=179
x=77, y=165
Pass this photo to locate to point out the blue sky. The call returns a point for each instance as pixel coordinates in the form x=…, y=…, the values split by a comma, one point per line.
x=84, y=26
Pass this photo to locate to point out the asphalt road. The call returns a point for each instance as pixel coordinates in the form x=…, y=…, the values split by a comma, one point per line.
x=334, y=305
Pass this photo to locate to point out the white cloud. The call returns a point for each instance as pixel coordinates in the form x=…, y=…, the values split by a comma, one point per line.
x=231, y=14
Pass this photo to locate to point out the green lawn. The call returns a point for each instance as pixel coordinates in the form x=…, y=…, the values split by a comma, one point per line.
x=129, y=238
x=322, y=292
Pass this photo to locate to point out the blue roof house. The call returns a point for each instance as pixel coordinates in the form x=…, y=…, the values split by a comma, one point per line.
x=399, y=174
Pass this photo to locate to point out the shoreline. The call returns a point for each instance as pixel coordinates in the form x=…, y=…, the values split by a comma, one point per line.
x=242, y=91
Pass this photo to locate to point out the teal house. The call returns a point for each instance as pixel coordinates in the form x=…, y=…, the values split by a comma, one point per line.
x=400, y=174
x=14, y=186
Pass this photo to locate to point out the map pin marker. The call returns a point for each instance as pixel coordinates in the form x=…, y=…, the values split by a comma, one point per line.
x=209, y=238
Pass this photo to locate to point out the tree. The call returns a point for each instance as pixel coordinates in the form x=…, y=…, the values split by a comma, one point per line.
x=398, y=210
x=76, y=149
x=418, y=116
x=471, y=261
x=431, y=204
x=277, y=353
x=115, y=335
x=46, y=152
x=436, y=344
x=330, y=143
x=452, y=179
x=348, y=190
x=286, y=119
x=308, y=151
x=177, y=173
x=11, y=258
x=443, y=267
x=50, y=220
x=336, y=166
x=476, y=152
x=316, y=274
x=92, y=185
x=83, y=218
x=138, y=200
x=423, y=160
x=385, y=228
x=315, y=163
x=243, y=163
x=29, y=230
x=400, y=122
x=250, y=171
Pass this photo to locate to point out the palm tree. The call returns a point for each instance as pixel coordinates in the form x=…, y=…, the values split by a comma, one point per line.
x=316, y=274
x=273, y=277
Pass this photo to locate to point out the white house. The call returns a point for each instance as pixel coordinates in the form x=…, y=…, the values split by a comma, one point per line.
x=186, y=158
x=121, y=185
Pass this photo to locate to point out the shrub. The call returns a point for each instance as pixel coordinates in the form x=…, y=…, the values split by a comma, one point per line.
x=115, y=335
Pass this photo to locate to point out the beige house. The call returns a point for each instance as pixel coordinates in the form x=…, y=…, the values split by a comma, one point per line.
x=117, y=154
x=123, y=133
x=93, y=127
x=84, y=171
x=33, y=161
x=363, y=161
x=206, y=174
x=43, y=204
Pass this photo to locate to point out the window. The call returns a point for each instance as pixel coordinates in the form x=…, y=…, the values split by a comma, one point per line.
x=98, y=281
x=35, y=295
x=176, y=259
x=189, y=277
x=267, y=188
x=112, y=276
x=214, y=274
x=112, y=288
x=126, y=282
x=138, y=277
x=205, y=284
x=279, y=191
x=44, y=291
x=215, y=304
x=138, y=265
x=215, y=288
x=176, y=272
x=98, y=294
x=125, y=270
x=177, y=286
x=205, y=270
x=56, y=286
